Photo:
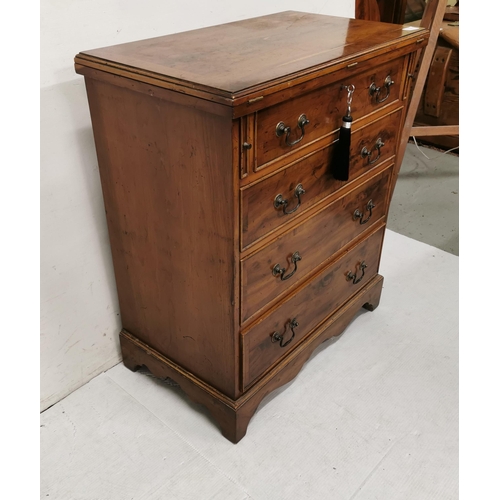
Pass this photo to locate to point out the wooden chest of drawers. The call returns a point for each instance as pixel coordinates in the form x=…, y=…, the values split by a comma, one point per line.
x=236, y=252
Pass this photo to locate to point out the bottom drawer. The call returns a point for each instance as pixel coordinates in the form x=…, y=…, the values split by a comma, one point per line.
x=284, y=327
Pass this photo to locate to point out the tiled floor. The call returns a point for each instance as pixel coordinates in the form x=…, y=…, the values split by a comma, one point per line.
x=425, y=202
x=372, y=415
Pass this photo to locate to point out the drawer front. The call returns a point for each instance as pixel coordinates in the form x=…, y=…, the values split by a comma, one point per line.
x=324, y=108
x=315, y=240
x=260, y=214
x=299, y=315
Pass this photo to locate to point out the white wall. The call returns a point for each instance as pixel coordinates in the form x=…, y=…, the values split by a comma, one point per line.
x=79, y=309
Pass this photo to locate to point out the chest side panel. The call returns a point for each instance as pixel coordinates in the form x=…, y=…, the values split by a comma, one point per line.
x=168, y=191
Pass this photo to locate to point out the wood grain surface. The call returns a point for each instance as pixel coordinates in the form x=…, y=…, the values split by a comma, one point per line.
x=319, y=238
x=310, y=306
x=324, y=109
x=258, y=213
x=164, y=170
x=232, y=57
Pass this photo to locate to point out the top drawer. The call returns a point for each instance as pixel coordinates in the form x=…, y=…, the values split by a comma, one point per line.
x=323, y=108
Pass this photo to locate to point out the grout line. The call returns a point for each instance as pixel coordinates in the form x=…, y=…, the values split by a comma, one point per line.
x=374, y=469
x=97, y=372
x=192, y=446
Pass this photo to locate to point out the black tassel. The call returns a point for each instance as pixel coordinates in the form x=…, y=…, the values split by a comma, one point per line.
x=342, y=151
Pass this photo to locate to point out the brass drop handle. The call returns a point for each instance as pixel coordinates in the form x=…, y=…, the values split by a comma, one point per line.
x=353, y=276
x=281, y=129
x=359, y=215
x=278, y=337
x=280, y=271
x=375, y=91
x=279, y=201
x=365, y=153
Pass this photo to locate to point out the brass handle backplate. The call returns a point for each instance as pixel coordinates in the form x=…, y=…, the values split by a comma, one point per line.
x=359, y=215
x=376, y=91
x=281, y=129
x=280, y=271
x=365, y=153
x=353, y=276
x=278, y=337
x=279, y=201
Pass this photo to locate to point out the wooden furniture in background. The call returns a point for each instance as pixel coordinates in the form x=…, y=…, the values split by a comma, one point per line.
x=387, y=11
x=434, y=109
x=433, y=16
x=439, y=104
x=236, y=253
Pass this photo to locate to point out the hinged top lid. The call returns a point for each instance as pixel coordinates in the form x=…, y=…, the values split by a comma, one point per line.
x=235, y=59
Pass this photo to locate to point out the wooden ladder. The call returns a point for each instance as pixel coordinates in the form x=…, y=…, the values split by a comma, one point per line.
x=431, y=19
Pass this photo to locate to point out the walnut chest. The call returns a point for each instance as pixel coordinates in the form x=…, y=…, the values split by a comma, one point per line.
x=236, y=252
